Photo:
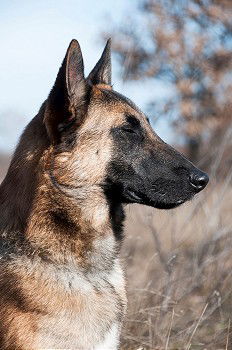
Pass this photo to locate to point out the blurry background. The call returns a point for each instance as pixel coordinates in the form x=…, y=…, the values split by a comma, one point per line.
x=174, y=59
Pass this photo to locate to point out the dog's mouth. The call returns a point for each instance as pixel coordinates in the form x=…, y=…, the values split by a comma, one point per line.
x=131, y=196
x=125, y=194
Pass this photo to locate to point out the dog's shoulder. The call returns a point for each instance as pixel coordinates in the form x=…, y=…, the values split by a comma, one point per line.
x=61, y=298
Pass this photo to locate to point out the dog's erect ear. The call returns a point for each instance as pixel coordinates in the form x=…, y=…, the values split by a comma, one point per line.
x=66, y=103
x=101, y=73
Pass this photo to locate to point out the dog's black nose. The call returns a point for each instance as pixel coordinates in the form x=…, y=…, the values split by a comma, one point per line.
x=198, y=180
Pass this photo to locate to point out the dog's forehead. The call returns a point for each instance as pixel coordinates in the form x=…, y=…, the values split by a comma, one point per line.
x=113, y=107
x=117, y=98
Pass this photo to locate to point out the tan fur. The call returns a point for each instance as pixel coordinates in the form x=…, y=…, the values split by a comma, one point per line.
x=49, y=301
x=61, y=281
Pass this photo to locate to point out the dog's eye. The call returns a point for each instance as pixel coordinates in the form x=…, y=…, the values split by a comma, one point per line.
x=129, y=130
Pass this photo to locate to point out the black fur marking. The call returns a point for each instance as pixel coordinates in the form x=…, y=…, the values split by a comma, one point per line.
x=62, y=221
x=12, y=295
x=68, y=132
x=148, y=120
x=133, y=121
x=65, y=125
x=148, y=172
x=127, y=136
x=116, y=211
x=117, y=217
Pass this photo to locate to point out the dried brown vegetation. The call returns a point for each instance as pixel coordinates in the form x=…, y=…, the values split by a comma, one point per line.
x=179, y=269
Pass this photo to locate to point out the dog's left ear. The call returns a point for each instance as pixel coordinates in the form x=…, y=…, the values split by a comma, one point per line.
x=101, y=73
x=67, y=101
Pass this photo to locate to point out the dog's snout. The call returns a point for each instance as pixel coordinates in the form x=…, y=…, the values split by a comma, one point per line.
x=198, y=180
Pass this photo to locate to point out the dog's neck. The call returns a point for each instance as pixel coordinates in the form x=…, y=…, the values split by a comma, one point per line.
x=37, y=212
x=68, y=227
x=41, y=214
x=18, y=189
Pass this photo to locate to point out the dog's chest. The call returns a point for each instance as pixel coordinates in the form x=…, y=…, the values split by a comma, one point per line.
x=84, y=311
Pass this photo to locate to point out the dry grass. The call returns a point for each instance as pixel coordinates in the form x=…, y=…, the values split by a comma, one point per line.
x=179, y=269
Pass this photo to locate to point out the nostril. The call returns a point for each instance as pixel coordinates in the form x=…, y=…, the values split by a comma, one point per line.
x=199, y=180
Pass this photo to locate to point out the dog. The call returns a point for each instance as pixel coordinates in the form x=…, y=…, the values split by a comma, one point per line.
x=87, y=153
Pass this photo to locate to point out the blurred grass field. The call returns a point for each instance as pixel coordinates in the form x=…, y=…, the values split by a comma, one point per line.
x=179, y=271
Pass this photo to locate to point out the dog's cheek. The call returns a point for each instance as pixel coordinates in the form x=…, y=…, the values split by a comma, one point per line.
x=90, y=159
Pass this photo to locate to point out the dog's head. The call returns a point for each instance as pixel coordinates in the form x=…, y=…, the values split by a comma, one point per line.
x=102, y=140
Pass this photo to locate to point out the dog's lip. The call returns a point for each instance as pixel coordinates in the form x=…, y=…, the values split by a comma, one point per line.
x=180, y=201
x=134, y=196
x=170, y=205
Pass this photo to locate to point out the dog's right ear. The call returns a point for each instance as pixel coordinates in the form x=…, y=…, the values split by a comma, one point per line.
x=101, y=73
x=67, y=101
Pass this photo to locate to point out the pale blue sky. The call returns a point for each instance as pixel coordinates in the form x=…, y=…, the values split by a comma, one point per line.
x=34, y=36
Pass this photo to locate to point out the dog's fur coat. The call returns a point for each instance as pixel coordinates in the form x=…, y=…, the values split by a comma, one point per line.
x=88, y=152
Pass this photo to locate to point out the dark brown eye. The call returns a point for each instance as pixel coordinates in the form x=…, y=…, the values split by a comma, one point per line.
x=129, y=130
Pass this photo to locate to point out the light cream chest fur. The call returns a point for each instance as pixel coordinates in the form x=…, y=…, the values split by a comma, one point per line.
x=87, y=311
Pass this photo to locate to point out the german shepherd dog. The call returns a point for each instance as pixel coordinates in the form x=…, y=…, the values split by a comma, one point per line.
x=87, y=153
